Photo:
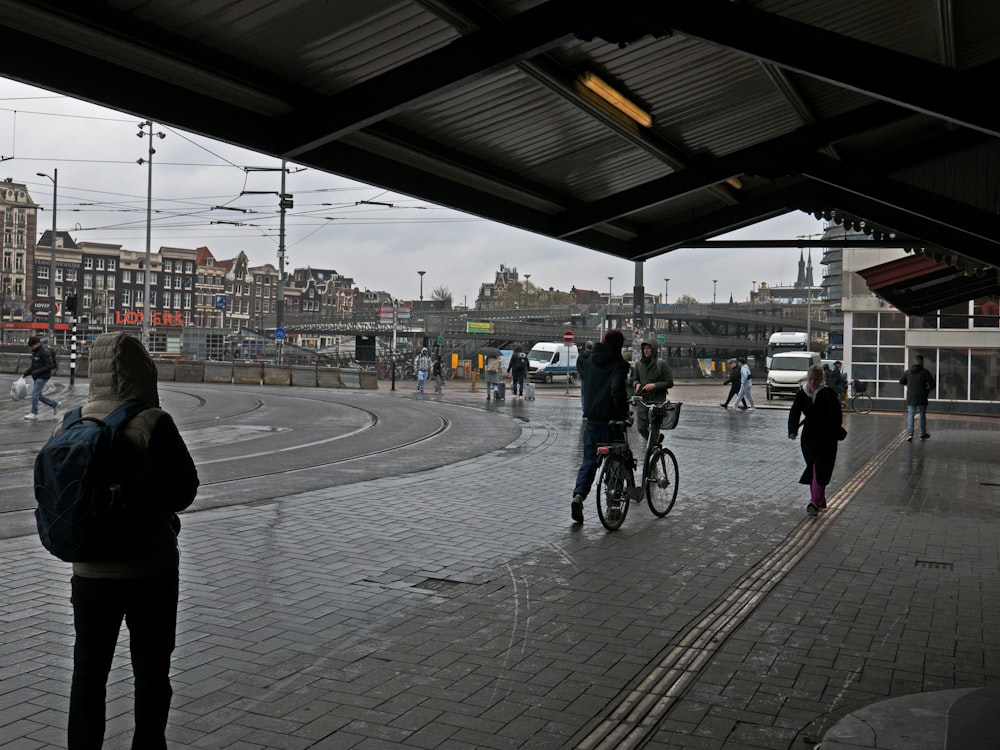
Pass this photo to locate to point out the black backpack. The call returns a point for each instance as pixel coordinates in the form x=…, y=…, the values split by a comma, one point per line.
x=55, y=358
x=520, y=362
x=82, y=512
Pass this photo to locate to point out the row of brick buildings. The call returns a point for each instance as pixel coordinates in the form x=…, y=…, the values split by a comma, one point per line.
x=187, y=287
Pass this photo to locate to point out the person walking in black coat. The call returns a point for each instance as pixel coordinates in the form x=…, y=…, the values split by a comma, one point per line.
x=606, y=400
x=919, y=383
x=821, y=430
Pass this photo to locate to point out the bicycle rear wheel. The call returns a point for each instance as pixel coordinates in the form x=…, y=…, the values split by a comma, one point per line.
x=661, y=478
x=615, y=480
x=862, y=403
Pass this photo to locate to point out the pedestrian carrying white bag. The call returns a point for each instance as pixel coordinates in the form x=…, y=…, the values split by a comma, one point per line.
x=19, y=388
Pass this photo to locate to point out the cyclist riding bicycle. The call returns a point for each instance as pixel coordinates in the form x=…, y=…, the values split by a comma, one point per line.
x=650, y=379
x=605, y=400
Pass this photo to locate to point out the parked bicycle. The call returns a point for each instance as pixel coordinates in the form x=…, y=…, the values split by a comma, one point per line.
x=660, y=474
x=861, y=402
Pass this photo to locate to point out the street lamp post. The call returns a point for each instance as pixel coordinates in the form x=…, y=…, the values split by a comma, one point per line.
x=421, y=289
x=52, y=256
x=666, y=289
x=147, y=310
x=714, y=284
x=610, y=279
x=527, y=278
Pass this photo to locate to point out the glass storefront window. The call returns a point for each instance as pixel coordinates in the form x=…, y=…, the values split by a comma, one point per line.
x=865, y=338
x=984, y=369
x=952, y=375
x=893, y=338
x=985, y=313
x=865, y=320
x=893, y=320
x=956, y=316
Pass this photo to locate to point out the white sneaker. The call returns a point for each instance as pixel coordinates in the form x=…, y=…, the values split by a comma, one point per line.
x=30, y=415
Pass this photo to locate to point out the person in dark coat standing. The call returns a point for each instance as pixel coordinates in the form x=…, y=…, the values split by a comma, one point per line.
x=606, y=400
x=821, y=430
x=919, y=383
x=588, y=350
x=138, y=582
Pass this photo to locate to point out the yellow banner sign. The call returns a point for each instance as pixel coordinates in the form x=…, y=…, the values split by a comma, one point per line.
x=471, y=327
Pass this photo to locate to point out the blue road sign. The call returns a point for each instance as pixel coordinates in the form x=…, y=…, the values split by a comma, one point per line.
x=279, y=334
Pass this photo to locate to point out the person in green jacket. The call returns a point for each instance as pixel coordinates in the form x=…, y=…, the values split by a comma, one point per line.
x=651, y=379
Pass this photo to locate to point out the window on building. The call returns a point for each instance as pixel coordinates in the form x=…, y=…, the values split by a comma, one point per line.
x=126, y=298
x=112, y=264
x=188, y=267
x=59, y=274
x=42, y=290
x=88, y=281
x=43, y=272
x=984, y=374
x=110, y=279
x=126, y=277
x=952, y=374
x=100, y=264
x=88, y=263
x=168, y=266
x=71, y=274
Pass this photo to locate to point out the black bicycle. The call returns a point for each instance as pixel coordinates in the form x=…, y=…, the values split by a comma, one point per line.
x=861, y=402
x=660, y=473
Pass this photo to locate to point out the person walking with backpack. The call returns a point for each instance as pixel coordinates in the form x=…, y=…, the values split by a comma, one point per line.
x=651, y=379
x=423, y=368
x=136, y=578
x=42, y=364
x=518, y=370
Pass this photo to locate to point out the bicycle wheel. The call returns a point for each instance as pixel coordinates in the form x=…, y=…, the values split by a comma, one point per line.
x=862, y=403
x=661, y=478
x=612, y=491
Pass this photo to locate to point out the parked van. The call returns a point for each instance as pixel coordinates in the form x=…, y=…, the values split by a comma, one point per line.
x=549, y=360
x=788, y=372
x=786, y=341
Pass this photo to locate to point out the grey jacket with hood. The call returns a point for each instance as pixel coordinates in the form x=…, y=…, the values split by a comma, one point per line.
x=167, y=481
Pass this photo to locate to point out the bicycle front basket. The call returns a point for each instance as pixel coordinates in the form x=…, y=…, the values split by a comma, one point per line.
x=671, y=415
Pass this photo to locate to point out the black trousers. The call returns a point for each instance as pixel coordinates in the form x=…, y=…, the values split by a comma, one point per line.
x=148, y=606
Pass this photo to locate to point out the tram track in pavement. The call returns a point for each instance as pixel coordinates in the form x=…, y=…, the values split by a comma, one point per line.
x=307, y=464
x=643, y=707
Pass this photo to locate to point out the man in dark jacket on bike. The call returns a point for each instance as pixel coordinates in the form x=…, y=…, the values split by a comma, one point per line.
x=650, y=379
x=605, y=400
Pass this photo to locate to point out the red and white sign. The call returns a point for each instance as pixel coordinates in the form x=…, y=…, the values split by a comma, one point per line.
x=568, y=337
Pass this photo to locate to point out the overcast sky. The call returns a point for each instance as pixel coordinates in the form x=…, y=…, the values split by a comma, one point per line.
x=102, y=198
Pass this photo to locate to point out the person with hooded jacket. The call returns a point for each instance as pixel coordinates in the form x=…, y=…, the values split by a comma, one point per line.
x=606, y=400
x=423, y=368
x=139, y=580
x=651, y=378
x=919, y=383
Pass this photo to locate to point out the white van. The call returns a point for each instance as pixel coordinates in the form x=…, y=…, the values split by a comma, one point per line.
x=786, y=341
x=788, y=372
x=549, y=360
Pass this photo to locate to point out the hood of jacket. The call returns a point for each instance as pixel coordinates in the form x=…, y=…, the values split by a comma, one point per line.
x=915, y=369
x=653, y=352
x=604, y=354
x=120, y=370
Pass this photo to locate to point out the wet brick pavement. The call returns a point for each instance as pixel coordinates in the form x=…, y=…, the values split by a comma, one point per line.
x=460, y=608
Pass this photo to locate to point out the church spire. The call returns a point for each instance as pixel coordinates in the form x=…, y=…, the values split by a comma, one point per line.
x=801, y=280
